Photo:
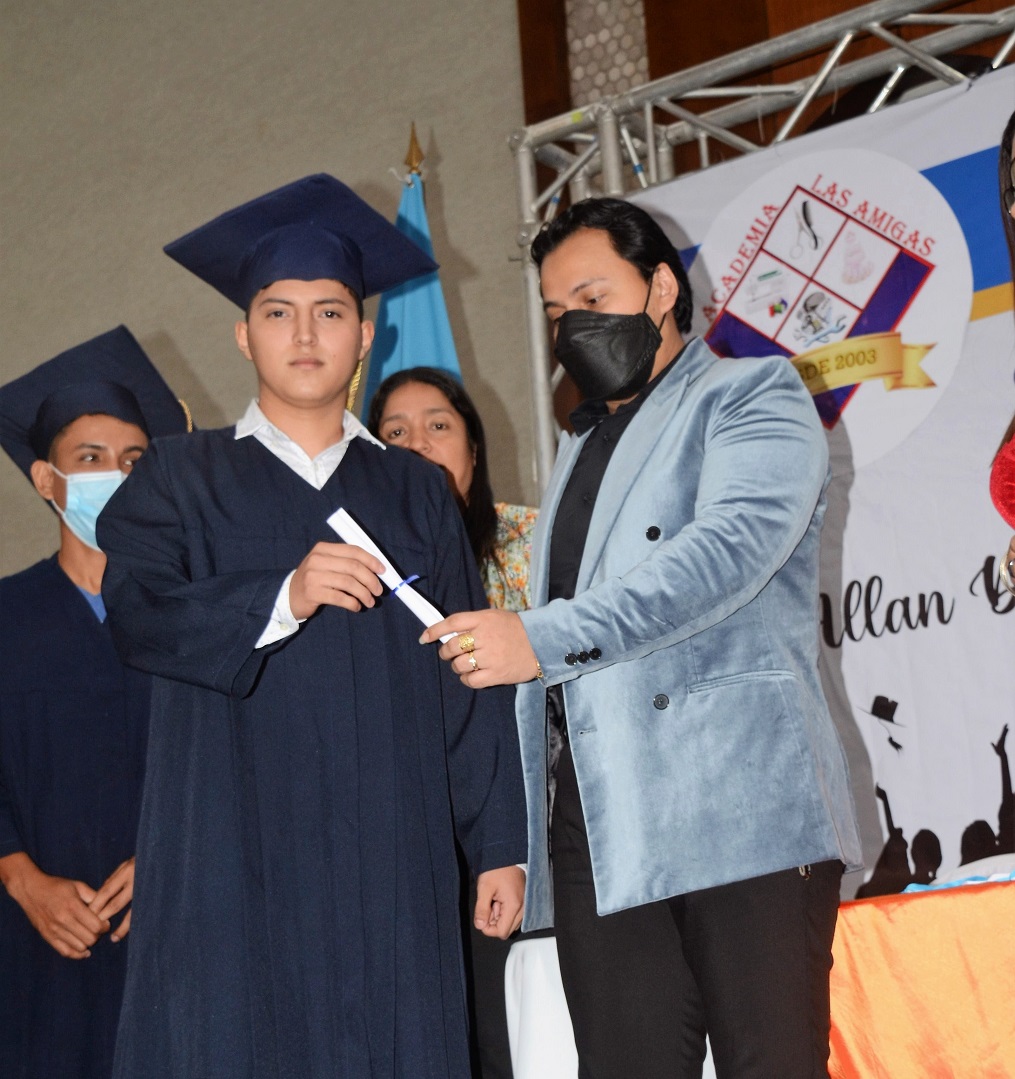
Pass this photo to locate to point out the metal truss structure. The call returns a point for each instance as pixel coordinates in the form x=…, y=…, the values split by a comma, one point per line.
x=618, y=145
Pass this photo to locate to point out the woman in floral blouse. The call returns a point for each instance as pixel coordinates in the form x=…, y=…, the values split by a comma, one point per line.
x=428, y=411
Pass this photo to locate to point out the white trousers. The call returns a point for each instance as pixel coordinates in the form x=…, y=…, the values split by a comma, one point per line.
x=539, y=1026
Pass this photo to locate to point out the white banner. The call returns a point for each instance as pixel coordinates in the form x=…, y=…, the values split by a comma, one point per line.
x=871, y=254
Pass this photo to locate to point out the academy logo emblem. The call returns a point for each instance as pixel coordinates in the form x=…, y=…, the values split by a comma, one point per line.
x=853, y=266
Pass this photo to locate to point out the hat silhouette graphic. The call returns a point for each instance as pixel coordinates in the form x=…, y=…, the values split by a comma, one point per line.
x=883, y=708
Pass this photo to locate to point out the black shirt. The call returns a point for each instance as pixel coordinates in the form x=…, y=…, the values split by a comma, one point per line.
x=574, y=513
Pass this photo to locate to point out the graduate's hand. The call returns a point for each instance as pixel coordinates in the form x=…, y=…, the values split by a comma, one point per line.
x=502, y=653
x=500, y=901
x=57, y=907
x=335, y=574
x=114, y=894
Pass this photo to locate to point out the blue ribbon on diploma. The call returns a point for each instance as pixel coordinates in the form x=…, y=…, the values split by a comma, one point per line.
x=420, y=606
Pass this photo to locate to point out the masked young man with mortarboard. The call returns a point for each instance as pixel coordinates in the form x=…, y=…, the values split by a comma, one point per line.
x=73, y=719
x=310, y=765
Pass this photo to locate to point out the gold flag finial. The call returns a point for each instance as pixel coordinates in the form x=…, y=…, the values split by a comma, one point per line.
x=414, y=158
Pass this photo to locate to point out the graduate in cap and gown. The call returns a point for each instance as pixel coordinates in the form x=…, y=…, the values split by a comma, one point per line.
x=73, y=719
x=310, y=763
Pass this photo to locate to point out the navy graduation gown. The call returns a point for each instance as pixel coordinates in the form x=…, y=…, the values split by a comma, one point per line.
x=73, y=728
x=296, y=899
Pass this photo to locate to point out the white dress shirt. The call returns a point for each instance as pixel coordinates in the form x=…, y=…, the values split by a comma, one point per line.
x=315, y=470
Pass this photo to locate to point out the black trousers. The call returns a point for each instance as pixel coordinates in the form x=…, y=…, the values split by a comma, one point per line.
x=747, y=962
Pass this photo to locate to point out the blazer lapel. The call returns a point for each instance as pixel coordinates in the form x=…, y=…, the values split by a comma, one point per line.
x=634, y=452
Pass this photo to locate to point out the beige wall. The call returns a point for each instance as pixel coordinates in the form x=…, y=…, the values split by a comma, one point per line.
x=128, y=122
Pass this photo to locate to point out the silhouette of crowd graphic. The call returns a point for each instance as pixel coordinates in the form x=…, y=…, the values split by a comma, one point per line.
x=893, y=872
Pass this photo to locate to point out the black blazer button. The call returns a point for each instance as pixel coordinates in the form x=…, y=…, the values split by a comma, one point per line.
x=570, y=659
x=583, y=657
x=594, y=653
x=660, y=700
x=653, y=532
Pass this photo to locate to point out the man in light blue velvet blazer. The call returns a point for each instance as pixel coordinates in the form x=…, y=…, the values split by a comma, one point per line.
x=689, y=805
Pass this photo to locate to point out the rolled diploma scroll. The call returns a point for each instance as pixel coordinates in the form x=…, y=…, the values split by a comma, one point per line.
x=422, y=608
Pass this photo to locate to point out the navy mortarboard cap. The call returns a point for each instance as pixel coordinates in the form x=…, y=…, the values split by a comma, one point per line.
x=313, y=229
x=108, y=375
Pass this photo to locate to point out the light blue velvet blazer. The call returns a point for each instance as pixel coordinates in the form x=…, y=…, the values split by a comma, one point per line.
x=702, y=742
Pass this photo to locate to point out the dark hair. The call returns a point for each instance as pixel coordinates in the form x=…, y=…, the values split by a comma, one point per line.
x=1004, y=178
x=478, y=511
x=1004, y=161
x=635, y=236
x=357, y=299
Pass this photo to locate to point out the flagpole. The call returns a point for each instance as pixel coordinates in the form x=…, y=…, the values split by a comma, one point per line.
x=412, y=324
x=413, y=159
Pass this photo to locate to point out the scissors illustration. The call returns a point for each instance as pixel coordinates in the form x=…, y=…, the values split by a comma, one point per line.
x=806, y=237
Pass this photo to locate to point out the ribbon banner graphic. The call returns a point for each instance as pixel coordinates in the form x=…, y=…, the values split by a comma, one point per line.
x=861, y=359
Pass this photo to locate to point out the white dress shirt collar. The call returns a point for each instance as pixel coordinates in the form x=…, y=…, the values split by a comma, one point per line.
x=315, y=470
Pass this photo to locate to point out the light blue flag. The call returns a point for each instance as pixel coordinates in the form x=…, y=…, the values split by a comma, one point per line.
x=413, y=329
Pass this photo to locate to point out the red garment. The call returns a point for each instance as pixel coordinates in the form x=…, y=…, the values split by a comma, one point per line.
x=1002, y=482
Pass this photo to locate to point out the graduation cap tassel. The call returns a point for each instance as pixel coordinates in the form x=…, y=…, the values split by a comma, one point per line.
x=187, y=414
x=354, y=387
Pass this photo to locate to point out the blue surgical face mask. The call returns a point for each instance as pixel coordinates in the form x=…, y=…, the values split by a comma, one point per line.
x=87, y=494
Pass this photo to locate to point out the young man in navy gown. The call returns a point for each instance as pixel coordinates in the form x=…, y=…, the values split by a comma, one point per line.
x=73, y=718
x=310, y=765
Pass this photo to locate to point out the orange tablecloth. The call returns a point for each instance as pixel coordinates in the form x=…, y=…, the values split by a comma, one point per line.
x=923, y=986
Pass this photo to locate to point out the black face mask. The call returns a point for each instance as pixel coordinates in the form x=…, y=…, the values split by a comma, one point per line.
x=610, y=357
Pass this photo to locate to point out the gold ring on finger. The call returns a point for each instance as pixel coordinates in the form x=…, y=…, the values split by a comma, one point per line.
x=472, y=661
x=466, y=642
